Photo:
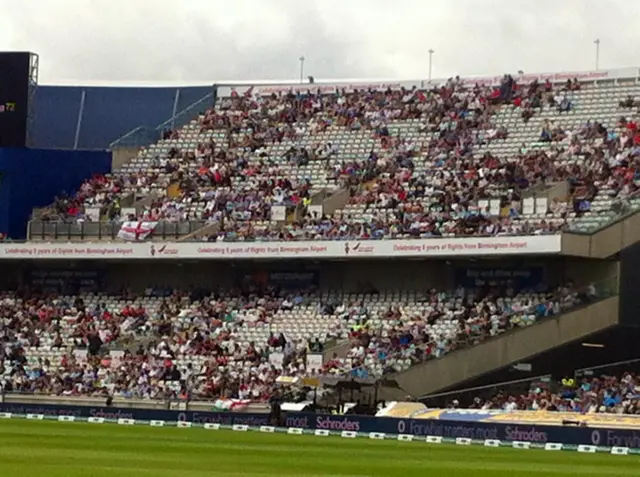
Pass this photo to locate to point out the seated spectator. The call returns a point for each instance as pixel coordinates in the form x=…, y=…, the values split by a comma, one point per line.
x=628, y=102
x=564, y=105
x=603, y=394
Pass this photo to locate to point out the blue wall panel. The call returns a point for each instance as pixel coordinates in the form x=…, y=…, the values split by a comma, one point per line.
x=54, y=126
x=109, y=112
x=33, y=177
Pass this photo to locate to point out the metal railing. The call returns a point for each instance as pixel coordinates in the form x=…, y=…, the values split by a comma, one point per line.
x=145, y=135
x=188, y=113
x=138, y=137
x=616, y=368
x=467, y=394
x=44, y=230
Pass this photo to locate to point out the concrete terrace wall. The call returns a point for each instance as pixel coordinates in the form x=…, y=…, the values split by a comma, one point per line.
x=605, y=242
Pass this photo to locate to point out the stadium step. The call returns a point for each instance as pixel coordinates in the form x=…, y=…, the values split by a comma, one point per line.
x=123, y=155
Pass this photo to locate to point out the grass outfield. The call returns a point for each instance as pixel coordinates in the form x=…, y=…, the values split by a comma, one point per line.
x=58, y=449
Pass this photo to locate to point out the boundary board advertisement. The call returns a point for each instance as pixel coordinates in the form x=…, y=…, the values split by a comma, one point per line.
x=419, y=427
x=472, y=430
x=226, y=418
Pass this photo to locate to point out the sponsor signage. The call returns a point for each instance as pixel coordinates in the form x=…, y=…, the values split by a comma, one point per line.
x=351, y=86
x=622, y=421
x=469, y=430
x=522, y=433
x=65, y=280
x=561, y=77
x=196, y=417
x=518, y=278
x=426, y=248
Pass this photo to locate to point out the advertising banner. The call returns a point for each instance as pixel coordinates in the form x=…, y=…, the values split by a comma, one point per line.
x=573, y=435
x=226, y=418
x=560, y=77
x=285, y=279
x=330, y=87
x=66, y=280
x=327, y=249
x=471, y=430
x=518, y=278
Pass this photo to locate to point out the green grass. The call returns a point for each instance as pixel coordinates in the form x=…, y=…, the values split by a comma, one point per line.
x=56, y=449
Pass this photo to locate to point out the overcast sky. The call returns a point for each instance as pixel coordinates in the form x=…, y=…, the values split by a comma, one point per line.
x=201, y=41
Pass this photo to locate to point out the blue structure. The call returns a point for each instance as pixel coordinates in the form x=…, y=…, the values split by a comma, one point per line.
x=33, y=177
x=90, y=118
x=72, y=128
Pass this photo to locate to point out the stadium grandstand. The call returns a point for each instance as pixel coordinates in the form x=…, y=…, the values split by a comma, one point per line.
x=443, y=235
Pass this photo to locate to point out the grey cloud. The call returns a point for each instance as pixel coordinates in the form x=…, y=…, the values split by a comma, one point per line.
x=209, y=40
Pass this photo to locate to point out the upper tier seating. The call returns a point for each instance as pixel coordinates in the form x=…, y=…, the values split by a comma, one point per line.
x=456, y=160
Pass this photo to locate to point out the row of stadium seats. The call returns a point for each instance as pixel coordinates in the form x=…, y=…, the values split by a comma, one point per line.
x=617, y=394
x=451, y=161
x=168, y=344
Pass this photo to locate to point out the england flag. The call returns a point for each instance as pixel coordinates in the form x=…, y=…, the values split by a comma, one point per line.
x=136, y=231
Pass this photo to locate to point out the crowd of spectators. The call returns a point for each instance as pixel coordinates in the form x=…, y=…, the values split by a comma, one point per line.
x=181, y=345
x=449, y=321
x=422, y=185
x=615, y=394
x=170, y=344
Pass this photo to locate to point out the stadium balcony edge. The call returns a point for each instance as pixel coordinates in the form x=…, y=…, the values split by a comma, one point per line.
x=510, y=348
x=605, y=242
